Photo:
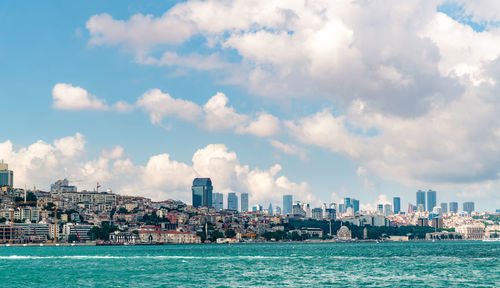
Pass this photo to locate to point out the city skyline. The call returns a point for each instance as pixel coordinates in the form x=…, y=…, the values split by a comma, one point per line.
x=146, y=114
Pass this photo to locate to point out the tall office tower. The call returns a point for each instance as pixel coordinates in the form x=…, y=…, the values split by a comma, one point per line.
x=347, y=203
x=278, y=210
x=202, y=192
x=287, y=204
x=453, y=207
x=6, y=175
x=387, y=209
x=444, y=207
x=244, y=202
x=232, y=201
x=410, y=208
x=317, y=213
x=397, y=204
x=380, y=208
x=355, y=205
x=218, y=201
x=431, y=200
x=270, y=209
x=468, y=207
x=341, y=209
x=421, y=198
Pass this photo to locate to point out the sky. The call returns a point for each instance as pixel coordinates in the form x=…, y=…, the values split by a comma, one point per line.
x=318, y=99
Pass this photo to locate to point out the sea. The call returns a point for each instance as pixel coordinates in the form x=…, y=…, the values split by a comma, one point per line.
x=406, y=264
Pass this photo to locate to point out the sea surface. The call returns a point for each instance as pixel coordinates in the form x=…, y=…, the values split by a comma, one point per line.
x=412, y=264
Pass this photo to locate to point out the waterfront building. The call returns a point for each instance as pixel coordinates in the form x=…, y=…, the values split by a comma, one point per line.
x=444, y=207
x=421, y=199
x=431, y=200
x=218, y=201
x=344, y=233
x=453, y=207
x=202, y=192
x=79, y=231
x=244, y=202
x=468, y=207
x=380, y=208
x=232, y=201
x=287, y=204
x=34, y=232
x=6, y=175
x=171, y=236
x=471, y=232
x=397, y=205
x=118, y=237
x=437, y=222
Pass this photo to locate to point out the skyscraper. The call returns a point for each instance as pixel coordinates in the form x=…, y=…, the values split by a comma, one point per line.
x=380, y=208
x=287, y=204
x=421, y=198
x=397, y=204
x=387, y=209
x=202, y=192
x=244, y=202
x=6, y=175
x=453, y=207
x=347, y=203
x=468, y=207
x=232, y=201
x=218, y=201
x=431, y=200
x=355, y=205
x=270, y=209
x=444, y=207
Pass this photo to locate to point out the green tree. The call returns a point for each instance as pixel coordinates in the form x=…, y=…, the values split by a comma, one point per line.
x=215, y=234
x=230, y=233
x=102, y=233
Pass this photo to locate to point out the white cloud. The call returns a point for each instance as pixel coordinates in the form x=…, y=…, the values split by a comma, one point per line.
x=161, y=178
x=68, y=97
x=289, y=149
x=215, y=115
x=160, y=105
x=340, y=50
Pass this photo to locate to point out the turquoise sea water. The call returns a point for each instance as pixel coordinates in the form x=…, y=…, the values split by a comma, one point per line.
x=418, y=264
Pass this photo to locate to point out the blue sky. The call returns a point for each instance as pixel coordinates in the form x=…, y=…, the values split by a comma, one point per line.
x=349, y=104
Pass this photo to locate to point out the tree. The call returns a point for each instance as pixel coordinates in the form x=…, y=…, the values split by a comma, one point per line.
x=214, y=235
x=102, y=233
x=122, y=211
x=31, y=197
x=230, y=233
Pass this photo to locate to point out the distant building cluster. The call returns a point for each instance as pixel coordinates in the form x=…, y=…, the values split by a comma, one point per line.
x=65, y=214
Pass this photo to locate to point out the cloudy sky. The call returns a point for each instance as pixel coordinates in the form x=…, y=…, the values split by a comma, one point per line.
x=319, y=99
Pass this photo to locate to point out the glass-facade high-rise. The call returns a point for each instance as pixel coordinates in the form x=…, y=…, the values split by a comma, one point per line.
x=421, y=198
x=444, y=207
x=232, y=201
x=6, y=176
x=218, y=201
x=244, y=202
x=397, y=204
x=453, y=207
x=468, y=207
x=287, y=204
x=431, y=200
x=202, y=192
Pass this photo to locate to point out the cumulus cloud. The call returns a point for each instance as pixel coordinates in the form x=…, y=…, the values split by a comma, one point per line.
x=289, y=149
x=332, y=49
x=68, y=97
x=160, y=178
x=160, y=105
x=215, y=115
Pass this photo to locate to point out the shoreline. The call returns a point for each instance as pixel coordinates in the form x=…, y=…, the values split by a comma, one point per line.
x=235, y=243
